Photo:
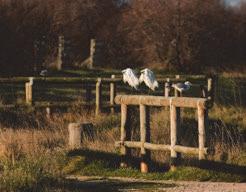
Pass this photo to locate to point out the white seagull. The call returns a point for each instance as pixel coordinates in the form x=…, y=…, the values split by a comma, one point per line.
x=147, y=76
x=130, y=77
x=181, y=87
x=44, y=72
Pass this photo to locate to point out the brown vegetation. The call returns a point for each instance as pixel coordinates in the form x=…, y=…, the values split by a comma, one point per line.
x=175, y=35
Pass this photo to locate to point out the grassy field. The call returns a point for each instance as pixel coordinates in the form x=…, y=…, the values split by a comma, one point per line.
x=34, y=155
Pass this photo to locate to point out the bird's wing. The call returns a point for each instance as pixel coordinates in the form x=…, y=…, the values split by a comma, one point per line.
x=148, y=81
x=141, y=78
x=151, y=80
x=130, y=77
x=179, y=87
x=156, y=84
x=124, y=77
x=134, y=79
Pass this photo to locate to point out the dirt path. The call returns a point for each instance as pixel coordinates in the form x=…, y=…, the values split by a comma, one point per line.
x=137, y=185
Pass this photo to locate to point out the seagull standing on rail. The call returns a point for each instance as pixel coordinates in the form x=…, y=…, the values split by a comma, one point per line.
x=44, y=73
x=182, y=87
x=147, y=76
x=130, y=77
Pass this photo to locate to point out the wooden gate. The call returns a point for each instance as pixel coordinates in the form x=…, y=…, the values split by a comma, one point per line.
x=174, y=103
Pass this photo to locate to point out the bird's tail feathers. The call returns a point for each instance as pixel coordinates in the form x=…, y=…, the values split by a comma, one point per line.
x=156, y=84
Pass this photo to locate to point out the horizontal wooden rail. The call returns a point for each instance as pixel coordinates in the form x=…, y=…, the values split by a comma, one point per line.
x=161, y=147
x=161, y=101
x=117, y=79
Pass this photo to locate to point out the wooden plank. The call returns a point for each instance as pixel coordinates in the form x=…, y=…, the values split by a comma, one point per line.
x=160, y=101
x=161, y=147
x=189, y=150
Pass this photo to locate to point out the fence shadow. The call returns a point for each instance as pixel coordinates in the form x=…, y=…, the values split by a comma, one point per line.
x=112, y=160
x=216, y=166
x=107, y=185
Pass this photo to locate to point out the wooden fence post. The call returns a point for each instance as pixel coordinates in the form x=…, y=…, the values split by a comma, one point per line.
x=144, y=137
x=202, y=117
x=124, y=136
x=60, y=55
x=79, y=131
x=177, y=76
x=175, y=124
x=74, y=130
x=98, y=96
x=48, y=112
x=92, y=53
x=167, y=88
x=28, y=88
x=112, y=94
x=210, y=90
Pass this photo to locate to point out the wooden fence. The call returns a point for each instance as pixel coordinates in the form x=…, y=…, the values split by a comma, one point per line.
x=207, y=90
x=144, y=102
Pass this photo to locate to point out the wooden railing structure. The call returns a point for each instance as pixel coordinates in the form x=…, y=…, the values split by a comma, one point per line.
x=175, y=103
x=113, y=82
x=88, y=96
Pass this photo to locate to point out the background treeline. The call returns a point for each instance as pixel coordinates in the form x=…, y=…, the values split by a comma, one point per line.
x=187, y=35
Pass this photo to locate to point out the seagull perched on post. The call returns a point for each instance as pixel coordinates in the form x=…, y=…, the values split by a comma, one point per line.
x=130, y=77
x=44, y=73
x=182, y=87
x=147, y=76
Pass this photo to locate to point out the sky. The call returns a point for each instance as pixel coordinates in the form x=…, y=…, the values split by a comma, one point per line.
x=234, y=2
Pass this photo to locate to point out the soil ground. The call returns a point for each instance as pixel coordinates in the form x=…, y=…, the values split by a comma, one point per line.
x=138, y=185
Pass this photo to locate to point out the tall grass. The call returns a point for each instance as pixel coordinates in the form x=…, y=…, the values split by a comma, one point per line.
x=33, y=147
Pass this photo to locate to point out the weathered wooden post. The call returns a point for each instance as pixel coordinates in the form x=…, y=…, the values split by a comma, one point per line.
x=144, y=137
x=167, y=88
x=202, y=118
x=177, y=117
x=177, y=76
x=77, y=132
x=74, y=130
x=124, y=136
x=175, y=125
x=98, y=96
x=112, y=94
x=210, y=90
x=176, y=92
x=60, y=56
x=48, y=112
x=28, y=88
x=92, y=53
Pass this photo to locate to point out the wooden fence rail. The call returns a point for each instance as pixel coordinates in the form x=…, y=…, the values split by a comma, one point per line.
x=144, y=102
x=91, y=83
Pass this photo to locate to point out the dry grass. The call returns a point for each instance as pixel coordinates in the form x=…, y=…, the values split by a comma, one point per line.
x=52, y=134
x=48, y=140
